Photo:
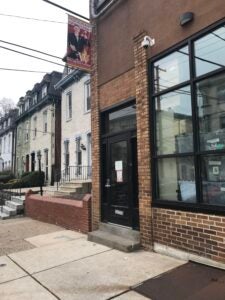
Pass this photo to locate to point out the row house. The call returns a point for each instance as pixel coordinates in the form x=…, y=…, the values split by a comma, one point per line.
x=158, y=123
x=76, y=125
x=39, y=128
x=7, y=147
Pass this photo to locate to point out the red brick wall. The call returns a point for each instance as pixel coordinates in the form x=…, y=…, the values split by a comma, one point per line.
x=70, y=214
x=143, y=142
x=120, y=88
x=196, y=233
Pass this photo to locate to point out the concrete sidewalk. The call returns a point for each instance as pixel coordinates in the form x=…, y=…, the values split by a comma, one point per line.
x=64, y=265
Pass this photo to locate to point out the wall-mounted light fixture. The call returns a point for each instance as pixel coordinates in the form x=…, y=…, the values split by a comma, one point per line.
x=186, y=18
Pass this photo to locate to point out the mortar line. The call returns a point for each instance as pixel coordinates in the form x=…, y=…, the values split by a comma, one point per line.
x=30, y=275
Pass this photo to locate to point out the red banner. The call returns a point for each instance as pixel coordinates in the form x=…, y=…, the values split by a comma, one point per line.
x=78, y=44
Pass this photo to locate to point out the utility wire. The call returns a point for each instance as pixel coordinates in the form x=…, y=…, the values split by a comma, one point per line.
x=66, y=9
x=31, y=49
x=32, y=19
x=21, y=70
x=19, y=52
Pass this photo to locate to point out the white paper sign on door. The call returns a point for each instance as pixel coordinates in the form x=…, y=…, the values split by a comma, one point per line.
x=118, y=165
x=119, y=176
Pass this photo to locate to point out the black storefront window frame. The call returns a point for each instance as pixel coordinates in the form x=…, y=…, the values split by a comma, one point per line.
x=199, y=206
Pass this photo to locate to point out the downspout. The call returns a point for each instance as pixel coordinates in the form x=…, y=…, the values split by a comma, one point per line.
x=95, y=15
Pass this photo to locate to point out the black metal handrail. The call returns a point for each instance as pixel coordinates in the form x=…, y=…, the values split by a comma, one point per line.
x=73, y=173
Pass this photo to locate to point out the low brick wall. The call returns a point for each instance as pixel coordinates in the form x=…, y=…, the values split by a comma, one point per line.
x=195, y=233
x=70, y=214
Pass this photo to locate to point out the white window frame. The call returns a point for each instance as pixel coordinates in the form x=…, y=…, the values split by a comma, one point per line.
x=35, y=127
x=26, y=105
x=45, y=122
x=9, y=142
x=87, y=94
x=4, y=145
x=44, y=91
x=35, y=98
x=69, y=108
x=27, y=132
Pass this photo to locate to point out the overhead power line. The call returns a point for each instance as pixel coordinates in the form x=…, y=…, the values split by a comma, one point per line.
x=31, y=19
x=29, y=55
x=66, y=9
x=31, y=49
x=21, y=70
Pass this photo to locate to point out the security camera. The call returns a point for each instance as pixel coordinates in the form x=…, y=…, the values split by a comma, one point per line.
x=147, y=42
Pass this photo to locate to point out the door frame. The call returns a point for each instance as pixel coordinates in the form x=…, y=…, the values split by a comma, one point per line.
x=106, y=140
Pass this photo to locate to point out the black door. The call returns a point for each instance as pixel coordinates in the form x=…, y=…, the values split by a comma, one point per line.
x=119, y=203
x=32, y=162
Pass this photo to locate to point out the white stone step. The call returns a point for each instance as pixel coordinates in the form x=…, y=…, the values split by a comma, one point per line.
x=8, y=210
x=18, y=199
x=62, y=194
x=15, y=205
x=4, y=216
x=67, y=190
x=80, y=181
x=71, y=185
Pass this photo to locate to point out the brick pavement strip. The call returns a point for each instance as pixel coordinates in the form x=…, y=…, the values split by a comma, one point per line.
x=14, y=231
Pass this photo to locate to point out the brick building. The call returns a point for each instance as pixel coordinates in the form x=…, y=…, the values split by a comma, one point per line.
x=39, y=128
x=158, y=123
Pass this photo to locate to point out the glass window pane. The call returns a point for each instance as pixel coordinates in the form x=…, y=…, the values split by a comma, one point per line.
x=213, y=177
x=120, y=120
x=211, y=112
x=210, y=52
x=176, y=179
x=171, y=70
x=174, y=122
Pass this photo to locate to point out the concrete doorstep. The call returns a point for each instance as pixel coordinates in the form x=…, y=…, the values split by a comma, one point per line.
x=64, y=265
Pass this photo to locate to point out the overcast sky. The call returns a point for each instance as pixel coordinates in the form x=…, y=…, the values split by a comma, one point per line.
x=44, y=36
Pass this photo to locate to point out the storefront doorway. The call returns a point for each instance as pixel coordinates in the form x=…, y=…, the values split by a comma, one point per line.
x=119, y=170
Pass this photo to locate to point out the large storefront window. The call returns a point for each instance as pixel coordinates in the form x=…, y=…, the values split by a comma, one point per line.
x=189, y=123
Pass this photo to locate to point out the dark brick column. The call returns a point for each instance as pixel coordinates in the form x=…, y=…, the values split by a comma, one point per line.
x=143, y=142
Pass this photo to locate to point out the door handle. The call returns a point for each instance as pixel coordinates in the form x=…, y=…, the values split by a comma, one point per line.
x=107, y=185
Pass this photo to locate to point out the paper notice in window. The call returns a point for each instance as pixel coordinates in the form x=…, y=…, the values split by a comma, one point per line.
x=119, y=165
x=119, y=176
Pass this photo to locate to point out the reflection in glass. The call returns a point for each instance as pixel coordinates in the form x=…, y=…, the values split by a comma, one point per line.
x=122, y=119
x=211, y=112
x=174, y=122
x=213, y=179
x=210, y=52
x=176, y=179
x=171, y=70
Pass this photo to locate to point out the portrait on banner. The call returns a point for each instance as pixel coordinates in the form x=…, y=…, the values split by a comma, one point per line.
x=78, y=44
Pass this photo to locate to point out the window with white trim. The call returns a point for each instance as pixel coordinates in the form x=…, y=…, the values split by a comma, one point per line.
x=45, y=121
x=34, y=127
x=44, y=91
x=69, y=105
x=27, y=132
x=87, y=96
